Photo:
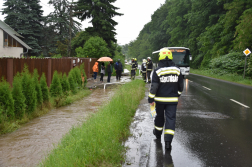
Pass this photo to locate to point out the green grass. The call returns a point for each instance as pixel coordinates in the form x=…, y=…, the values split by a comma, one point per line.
x=227, y=77
x=98, y=141
x=7, y=126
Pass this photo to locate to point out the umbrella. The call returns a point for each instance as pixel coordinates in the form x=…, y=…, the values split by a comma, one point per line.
x=105, y=59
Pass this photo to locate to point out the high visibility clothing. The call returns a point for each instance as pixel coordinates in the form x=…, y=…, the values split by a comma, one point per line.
x=167, y=83
x=143, y=71
x=166, y=86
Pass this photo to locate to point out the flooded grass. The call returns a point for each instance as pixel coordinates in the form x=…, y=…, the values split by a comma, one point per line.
x=98, y=141
x=10, y=126
x=228, y=77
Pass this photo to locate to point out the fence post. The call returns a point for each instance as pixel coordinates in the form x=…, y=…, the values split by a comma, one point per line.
x=49, y=72
x=9, y=76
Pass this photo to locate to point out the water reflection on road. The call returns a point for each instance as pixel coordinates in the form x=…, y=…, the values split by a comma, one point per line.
x=29, y=145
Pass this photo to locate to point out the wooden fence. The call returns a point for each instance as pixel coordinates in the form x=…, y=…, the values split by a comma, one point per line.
x=10, y=66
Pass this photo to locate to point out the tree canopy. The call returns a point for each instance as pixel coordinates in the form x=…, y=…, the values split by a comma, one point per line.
x=25, y=17
x=101, y=13
x=210, y=29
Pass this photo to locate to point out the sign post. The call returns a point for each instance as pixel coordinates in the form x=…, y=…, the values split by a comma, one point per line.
x=246, y=52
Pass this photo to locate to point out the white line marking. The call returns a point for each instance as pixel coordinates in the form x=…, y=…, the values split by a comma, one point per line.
x=190, y=81
x=239, y=103
x=206, y=88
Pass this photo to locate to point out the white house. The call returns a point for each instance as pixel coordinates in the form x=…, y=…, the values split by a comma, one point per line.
x=10, y=44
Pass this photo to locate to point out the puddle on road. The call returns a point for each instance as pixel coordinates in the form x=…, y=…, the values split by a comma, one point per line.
x=29, y=145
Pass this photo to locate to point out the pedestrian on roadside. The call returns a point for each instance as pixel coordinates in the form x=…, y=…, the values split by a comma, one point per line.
x=109, y=71
x=115, y=67
x=95, y=70
x=102, y=72
x=149, y=68
x=119, y=70
x=166, y=87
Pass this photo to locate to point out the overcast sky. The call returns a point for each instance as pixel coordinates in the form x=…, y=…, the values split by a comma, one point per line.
x=137, y=13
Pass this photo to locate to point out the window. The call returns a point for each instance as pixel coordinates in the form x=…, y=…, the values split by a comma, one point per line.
x=10, y=42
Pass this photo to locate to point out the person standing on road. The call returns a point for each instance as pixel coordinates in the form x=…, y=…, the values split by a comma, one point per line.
x=115, y=67
x=166, y=87
x=102, y=72
x=119, y=69
x=133, y=69
x=143, y=70
x=109, y=70
x=95, y=70
x=149, y=68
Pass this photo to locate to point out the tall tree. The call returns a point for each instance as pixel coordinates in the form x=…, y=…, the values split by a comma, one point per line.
x=101, y=13
x=58, y=25
x=25, y=17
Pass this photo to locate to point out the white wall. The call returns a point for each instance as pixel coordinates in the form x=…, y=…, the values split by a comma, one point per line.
x=9, y=51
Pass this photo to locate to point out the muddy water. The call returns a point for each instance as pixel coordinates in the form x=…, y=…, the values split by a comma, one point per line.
x=27, y=146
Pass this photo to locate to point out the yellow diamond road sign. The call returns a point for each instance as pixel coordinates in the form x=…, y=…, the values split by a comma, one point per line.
x=247, y=52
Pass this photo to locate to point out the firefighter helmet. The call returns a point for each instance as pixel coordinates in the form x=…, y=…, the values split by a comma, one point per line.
x=165, y=53
x=149, y=58
x=144, y=61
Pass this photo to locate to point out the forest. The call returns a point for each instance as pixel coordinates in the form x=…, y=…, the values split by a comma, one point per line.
x=216, y=32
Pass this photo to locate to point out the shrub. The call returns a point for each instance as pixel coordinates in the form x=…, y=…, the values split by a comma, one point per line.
x=83, y=74
x=230, y=63
x=18, y=97
x=55, y=87
x=44, y=88
x=1, y=113
x=65, y=84
x=77, y=74
x=28, y=91
x=6, y=100
x=72, y=84
x=37, y=86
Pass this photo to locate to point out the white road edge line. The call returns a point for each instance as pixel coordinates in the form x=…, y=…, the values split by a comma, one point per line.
x=206, y=88
x=239, y=103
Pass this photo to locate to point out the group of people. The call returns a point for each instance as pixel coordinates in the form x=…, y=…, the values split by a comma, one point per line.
x=109, y=69
x=146, y=69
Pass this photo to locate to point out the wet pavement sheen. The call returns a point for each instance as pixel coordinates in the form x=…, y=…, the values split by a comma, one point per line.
x=211, y=130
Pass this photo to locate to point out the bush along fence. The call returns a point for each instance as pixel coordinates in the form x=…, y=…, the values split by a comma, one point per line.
x=9, y=67
x=29, y=93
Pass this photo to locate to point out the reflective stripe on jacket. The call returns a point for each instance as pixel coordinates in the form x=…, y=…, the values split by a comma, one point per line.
x=167, y=83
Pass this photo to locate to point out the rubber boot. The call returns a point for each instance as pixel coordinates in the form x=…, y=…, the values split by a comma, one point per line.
x=168, y=145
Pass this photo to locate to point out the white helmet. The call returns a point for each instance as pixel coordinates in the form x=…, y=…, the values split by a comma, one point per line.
x=144, y=60
x=149, y=58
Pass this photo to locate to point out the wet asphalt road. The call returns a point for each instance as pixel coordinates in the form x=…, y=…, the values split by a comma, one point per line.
x=212, y=129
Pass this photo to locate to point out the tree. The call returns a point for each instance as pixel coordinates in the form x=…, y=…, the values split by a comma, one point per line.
x=58, y=24
x=79, y=40
x=18, y=97
x=25, y=17
x=95, y=47
x=101, y=13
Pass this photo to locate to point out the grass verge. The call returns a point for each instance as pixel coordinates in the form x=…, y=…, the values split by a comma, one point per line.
x=228, y=77
x=98, y=141
x=10, y=126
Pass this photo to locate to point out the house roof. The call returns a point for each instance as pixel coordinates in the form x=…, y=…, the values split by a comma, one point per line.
x=13, y=34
